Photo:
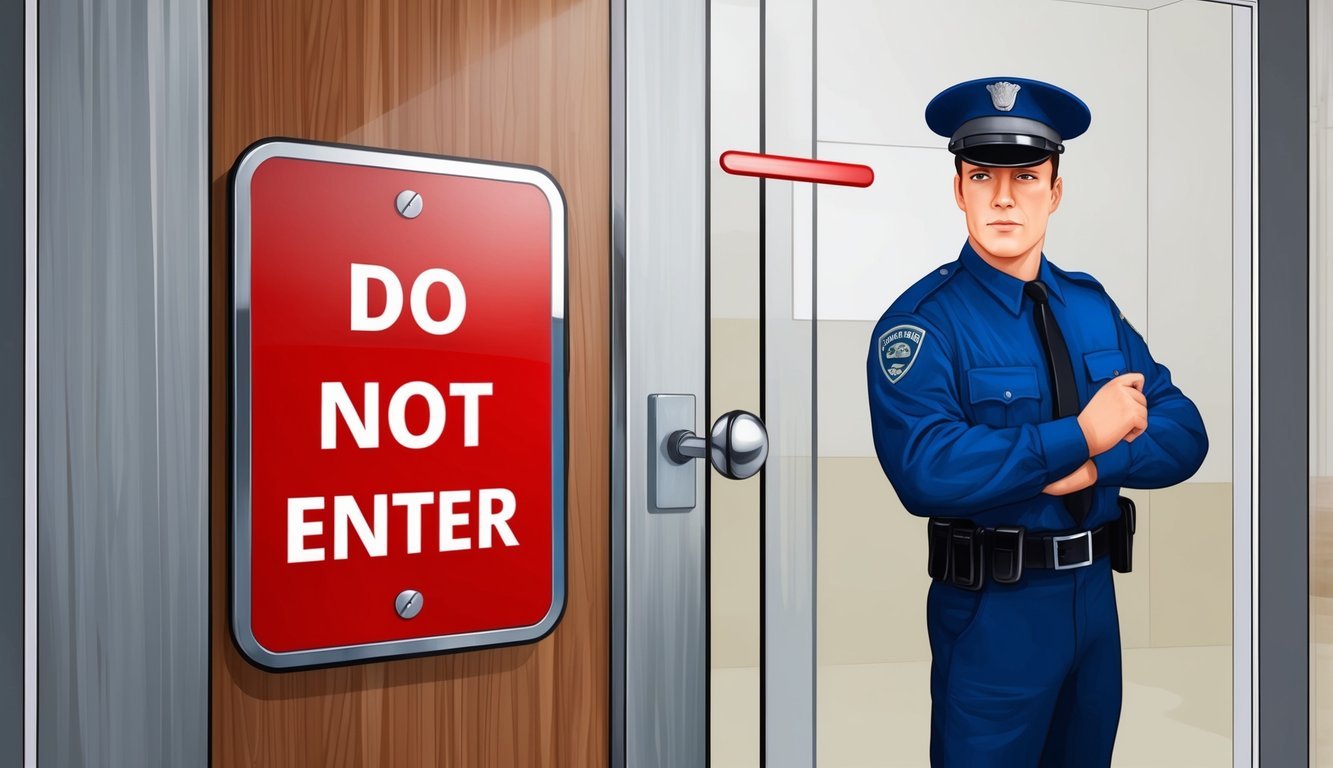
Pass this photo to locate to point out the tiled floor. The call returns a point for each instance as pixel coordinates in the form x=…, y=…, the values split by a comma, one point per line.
x=1321, y=618
x=1176, y=712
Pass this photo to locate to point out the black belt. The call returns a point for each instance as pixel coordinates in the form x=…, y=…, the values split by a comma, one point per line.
x=1065, y=550
x=966, y=555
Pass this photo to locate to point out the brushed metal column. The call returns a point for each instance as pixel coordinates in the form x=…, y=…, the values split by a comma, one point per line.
x=659, y=201
x=122, y=609
x=14, y=573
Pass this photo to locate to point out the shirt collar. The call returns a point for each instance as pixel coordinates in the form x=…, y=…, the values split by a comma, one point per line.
x=1007, y=289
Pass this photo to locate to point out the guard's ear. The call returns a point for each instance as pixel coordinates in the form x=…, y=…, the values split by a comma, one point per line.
x=958, y=192
x=1057, y=192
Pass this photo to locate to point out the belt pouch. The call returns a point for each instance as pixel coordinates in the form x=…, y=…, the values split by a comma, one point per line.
x=1006, y=554
x=1122, y=537
x=937, y=560
x=967, y=560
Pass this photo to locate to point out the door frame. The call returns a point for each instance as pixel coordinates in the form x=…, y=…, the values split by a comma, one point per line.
x=1270, y=215
x=659, y=203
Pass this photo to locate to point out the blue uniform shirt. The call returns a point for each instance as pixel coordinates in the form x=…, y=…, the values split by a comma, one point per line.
x=961, y=408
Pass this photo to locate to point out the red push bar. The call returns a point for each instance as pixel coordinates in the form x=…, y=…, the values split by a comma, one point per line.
x=796, y=169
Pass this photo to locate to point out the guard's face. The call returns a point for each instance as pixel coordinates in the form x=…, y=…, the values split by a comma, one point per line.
x=1007, y=208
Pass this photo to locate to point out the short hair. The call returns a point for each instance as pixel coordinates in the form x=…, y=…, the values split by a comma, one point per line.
x=1055, y=166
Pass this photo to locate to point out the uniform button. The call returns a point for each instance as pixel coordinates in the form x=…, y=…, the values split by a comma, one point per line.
x=1115, y=373
x=944, y=271
x=1008, y=394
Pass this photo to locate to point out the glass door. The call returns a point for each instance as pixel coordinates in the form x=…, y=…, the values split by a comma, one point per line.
x=818, y=653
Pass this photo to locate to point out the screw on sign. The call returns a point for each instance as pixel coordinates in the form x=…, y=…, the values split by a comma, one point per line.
x=408, y=603
x=409, y=204
x=399, y=404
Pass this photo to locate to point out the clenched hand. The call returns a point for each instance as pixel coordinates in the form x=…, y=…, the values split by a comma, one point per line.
x=1119, y=411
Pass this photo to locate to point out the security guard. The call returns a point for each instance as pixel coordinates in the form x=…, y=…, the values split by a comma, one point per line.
x=1010, y=400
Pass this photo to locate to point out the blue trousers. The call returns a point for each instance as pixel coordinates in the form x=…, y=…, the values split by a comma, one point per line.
x=1025, y=674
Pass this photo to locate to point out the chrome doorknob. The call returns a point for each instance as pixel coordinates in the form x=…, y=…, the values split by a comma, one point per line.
x=737, y=446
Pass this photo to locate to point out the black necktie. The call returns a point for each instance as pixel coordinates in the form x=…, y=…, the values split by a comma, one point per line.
x=1063, y=387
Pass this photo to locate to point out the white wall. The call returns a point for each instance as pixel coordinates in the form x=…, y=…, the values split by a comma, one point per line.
x=1321, y=240
x=1158, y=240
x=1189, y=294
x=881, y=63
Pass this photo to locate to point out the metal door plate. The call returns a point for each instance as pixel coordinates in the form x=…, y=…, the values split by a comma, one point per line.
x=670, y=485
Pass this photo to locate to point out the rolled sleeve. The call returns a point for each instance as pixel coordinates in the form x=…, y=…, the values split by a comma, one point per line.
x=1064, y=445
x=1113, y=465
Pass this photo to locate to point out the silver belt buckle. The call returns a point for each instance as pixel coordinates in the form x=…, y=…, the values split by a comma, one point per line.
x=1055, y=550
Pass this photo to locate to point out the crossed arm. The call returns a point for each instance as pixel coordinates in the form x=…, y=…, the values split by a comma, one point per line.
x=941, y=464
x=1118, y=411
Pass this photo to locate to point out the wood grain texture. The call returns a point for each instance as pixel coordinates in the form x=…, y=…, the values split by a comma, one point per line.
x=523, y=81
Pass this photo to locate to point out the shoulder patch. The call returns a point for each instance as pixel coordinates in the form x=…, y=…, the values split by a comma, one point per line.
x=1126, y=321
x=898, y=348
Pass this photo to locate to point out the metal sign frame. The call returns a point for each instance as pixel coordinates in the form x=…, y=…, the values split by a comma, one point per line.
x=239, y=528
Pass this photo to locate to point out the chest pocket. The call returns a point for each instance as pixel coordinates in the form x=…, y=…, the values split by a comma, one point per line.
x=1102, y=367
x=1004, y=397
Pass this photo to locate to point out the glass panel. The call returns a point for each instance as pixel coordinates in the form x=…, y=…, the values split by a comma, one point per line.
x=1142, y=217
x=734, y=301
x=1321, y=380
x=791, y=478
x=762, y=548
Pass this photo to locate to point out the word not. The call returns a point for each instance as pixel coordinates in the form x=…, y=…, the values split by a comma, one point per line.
x=364, y=424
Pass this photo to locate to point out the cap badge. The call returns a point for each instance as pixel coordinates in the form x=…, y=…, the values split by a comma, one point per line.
x=1002, y=95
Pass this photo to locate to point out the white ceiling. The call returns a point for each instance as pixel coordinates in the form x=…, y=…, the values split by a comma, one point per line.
x=1145, y=5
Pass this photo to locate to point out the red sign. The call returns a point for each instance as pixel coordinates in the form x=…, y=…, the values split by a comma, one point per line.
x=399, y=367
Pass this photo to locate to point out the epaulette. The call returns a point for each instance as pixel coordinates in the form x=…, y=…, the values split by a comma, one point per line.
x=1092, y=282
x=923, y=288
x=1078, y=277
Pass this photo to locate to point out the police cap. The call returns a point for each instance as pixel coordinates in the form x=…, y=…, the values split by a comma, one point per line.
x=1007, y=121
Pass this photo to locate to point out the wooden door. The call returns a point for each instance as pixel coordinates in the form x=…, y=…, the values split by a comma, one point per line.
x=522, y=81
